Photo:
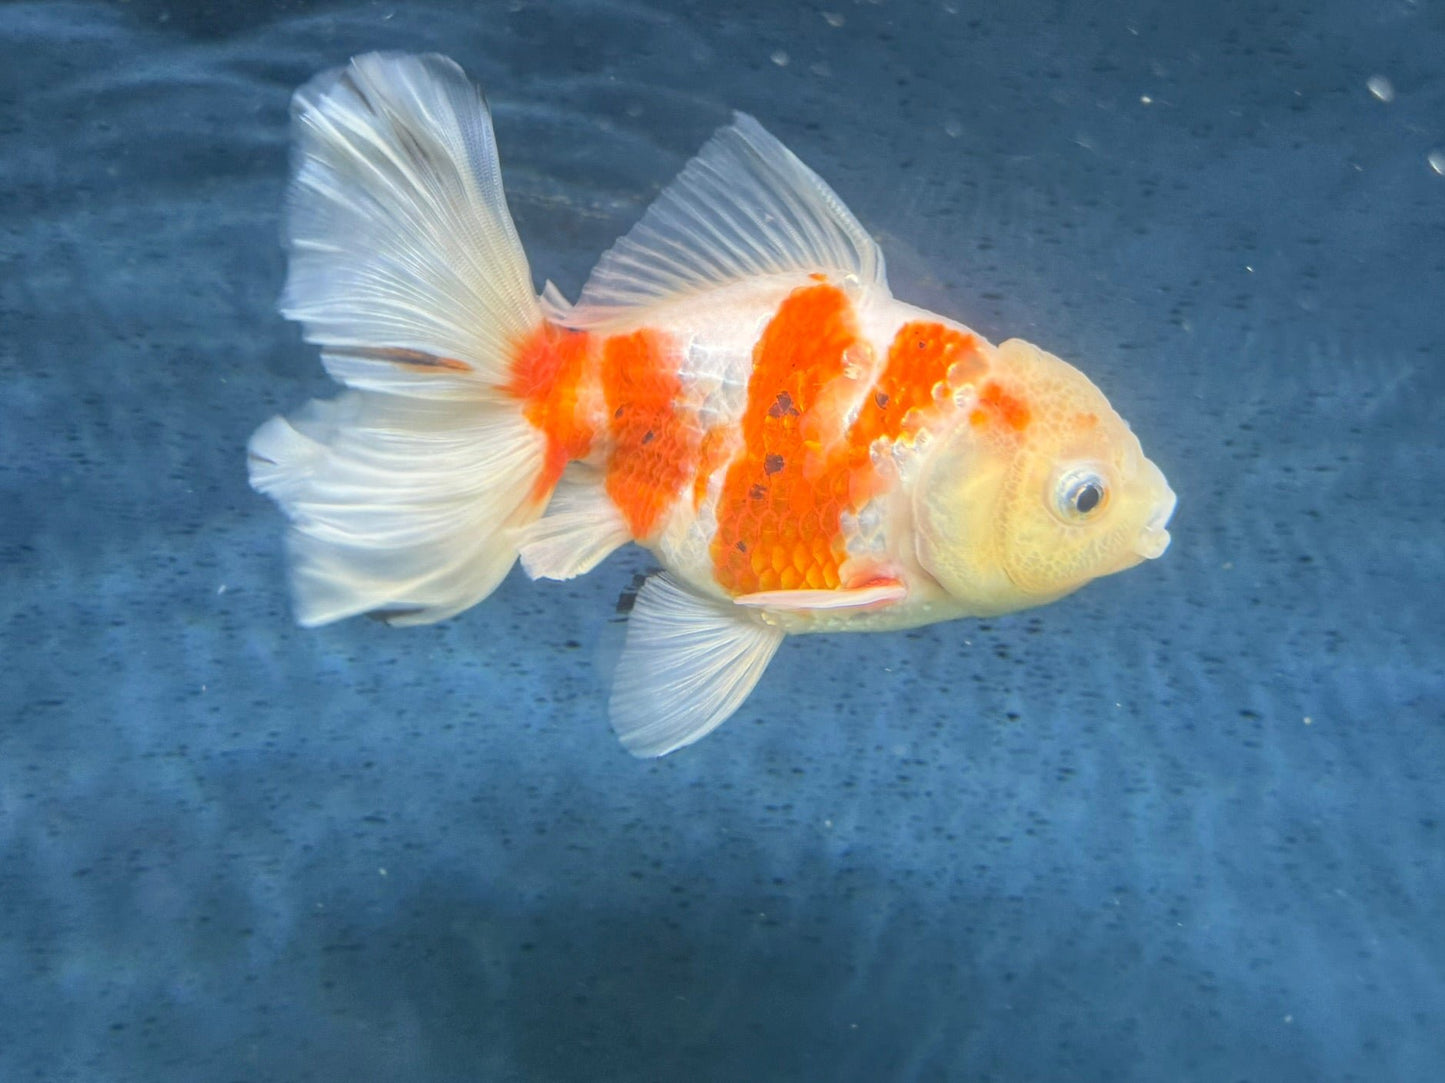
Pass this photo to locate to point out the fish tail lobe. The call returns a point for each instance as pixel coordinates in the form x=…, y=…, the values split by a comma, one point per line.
x=406, y=493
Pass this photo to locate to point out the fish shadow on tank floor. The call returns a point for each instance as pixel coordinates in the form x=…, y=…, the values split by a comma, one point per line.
x=850, y=981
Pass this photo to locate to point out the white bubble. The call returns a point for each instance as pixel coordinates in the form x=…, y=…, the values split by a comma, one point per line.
x=1436, y=158
x=1381, y=88
x=780, y=58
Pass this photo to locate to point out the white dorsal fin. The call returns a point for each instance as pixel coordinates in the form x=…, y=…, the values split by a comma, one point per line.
x=688, y=664
x=581, y=529
x=744, y=207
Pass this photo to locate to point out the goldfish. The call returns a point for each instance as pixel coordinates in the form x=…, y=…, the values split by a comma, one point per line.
x=735, y=389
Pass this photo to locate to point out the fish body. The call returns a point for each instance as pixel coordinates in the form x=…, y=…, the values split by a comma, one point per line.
x=736, y=389
x=754, y=440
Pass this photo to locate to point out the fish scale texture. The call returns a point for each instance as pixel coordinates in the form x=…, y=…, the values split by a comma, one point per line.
x=778, y=520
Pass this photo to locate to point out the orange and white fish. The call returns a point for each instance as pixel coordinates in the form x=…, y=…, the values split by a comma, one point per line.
x=736, y=389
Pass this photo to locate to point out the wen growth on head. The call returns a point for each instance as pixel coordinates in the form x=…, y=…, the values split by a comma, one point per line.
x=736, y=389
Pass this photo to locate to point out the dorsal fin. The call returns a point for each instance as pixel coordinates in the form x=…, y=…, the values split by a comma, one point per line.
x=744, y=207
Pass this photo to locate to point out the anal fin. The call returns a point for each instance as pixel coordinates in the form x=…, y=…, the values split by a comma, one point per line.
x=581, y=528
x=689, y=662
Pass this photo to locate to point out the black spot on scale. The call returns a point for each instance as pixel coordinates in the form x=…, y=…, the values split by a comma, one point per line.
x=881, y=398
x=757, y=492
x=648, y=437
x=783, y=406
x=742, y=546
x=772, y=464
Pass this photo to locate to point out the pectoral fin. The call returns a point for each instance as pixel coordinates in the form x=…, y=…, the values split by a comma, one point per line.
x=688, y=664
x=878, y=593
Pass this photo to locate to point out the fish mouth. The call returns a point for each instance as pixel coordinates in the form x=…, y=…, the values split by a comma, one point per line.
x=1154, y=539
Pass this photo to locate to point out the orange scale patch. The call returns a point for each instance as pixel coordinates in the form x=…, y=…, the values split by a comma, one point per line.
x=995, y=402
x=711, y=455
x=922, y=354
x=547, y=372
x=778, y=516
x=654, y=453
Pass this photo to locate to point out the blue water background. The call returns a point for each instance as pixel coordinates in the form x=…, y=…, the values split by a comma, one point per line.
x=1186, y=825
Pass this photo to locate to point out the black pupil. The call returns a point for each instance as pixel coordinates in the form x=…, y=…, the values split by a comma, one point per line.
x=1087, y=498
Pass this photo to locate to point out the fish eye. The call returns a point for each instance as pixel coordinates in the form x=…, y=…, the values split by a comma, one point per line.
x=1079, y=493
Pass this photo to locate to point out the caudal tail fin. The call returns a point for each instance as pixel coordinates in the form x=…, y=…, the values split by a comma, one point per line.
x=405, y=492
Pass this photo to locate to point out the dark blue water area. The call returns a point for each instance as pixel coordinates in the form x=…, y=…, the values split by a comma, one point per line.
x=1184, y=825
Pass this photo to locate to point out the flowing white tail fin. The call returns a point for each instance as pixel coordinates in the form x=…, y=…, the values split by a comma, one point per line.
x=404, y=493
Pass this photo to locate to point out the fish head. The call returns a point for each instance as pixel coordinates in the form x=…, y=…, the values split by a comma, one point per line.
x=1038, y=487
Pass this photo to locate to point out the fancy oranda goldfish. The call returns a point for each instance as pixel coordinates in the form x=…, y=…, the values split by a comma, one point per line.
x=735, y=389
